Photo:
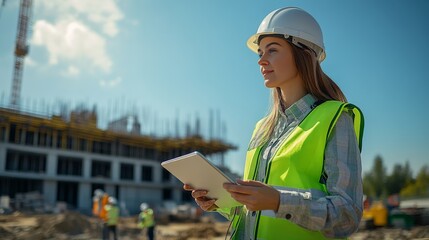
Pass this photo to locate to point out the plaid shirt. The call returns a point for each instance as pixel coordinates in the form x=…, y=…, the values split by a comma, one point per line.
x=336, y=215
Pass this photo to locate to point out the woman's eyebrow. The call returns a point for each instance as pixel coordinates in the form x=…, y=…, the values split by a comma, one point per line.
x=270, y=44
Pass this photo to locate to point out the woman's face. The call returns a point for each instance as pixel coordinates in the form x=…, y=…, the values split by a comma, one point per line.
x=277, y=63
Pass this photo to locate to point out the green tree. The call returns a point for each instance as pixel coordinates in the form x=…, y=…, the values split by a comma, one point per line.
x=420, y=187
x=375, y=180
x=401, y=176
x=368, y=189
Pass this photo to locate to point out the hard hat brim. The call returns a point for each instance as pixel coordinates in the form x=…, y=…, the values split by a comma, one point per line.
x=253, y=45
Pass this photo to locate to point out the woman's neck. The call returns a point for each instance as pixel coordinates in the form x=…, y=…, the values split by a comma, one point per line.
x=292, y=95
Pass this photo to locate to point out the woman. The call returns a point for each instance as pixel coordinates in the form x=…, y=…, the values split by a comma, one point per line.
x=302, y=178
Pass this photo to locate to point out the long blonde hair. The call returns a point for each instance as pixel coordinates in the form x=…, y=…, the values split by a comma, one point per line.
x=316, y=82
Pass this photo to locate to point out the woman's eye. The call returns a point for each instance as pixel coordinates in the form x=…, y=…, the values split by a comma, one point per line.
x=269, y=51
x=272, y=50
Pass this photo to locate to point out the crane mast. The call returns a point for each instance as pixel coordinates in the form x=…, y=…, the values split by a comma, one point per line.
x=21, y=50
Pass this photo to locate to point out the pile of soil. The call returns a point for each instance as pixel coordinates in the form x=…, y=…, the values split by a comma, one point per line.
x=70, y=223
x=5, y=233
x=41, y=227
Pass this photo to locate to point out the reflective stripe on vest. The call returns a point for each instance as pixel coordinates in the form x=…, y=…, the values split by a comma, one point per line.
x=298, y=163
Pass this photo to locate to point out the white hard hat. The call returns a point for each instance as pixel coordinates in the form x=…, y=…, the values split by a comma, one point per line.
x=295, y=23
x=143, y=206
x=98, y=192
x=112, y=200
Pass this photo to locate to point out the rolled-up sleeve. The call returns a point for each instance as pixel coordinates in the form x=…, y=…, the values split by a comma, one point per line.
x=338, y=214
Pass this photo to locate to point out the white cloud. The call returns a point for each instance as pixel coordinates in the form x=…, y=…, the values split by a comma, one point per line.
x=103, y=12
x=72, y=41
x=110, y=83
x=74, y=32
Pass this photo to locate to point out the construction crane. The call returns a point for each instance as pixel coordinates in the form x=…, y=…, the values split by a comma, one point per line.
x=21, y=50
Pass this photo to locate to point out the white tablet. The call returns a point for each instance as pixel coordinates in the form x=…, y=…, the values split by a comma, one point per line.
x=194, y=169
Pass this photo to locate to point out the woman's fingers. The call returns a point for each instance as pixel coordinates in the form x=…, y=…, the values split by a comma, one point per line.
x=200, y=196
x=205, y=204
x=255, y=195
x=199, y=193
x=250, y=183
x=247, y=187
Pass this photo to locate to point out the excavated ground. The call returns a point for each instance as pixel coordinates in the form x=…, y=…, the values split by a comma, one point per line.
x=75, y=226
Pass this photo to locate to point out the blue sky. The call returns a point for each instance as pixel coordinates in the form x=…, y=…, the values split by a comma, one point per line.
x=170, y=59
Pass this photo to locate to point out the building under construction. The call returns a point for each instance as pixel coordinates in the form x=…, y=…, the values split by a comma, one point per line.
x=67, y=159
x=66, y=156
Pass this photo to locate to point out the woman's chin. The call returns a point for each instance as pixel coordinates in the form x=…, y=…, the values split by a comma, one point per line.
x=269, y=84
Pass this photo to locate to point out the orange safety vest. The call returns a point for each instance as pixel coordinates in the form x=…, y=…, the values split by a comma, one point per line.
x=95, y=207
x=98, y=207
x=103, y=212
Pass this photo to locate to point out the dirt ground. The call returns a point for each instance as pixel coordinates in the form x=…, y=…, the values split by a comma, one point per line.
x=75, y=226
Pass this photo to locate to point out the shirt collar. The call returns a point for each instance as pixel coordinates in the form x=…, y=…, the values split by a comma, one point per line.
x=300, y=107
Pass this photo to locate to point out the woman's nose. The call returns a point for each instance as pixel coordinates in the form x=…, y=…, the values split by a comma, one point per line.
x=262, y=61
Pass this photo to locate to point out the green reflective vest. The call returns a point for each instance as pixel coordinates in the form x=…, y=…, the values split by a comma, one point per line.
x=298, y=163
x=112, y=212
x=146, y=218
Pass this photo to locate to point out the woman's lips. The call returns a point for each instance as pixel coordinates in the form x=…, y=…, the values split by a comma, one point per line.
x=266, y=72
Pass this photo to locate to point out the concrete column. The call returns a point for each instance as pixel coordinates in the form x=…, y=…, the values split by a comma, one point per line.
x=137, y=173
x=157, y=173
x=50, y=192
x=86, y=167
x=115, y=170
x=2, y=157
x=51, y=164
x=84, y=201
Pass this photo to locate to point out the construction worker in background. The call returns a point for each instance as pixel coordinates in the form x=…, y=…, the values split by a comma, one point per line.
x=96, y=202
x=104, y=201
x=302, y=176
x=111, y=220
x=146, y=221
x=99, y=201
